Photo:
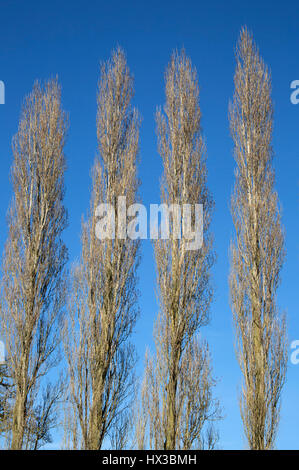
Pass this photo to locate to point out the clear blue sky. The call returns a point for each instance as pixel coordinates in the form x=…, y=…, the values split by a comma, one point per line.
x=39, y=39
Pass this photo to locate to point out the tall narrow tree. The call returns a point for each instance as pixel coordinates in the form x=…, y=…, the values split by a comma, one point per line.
x=177, y=392
x=257, y=250
x=35, y=256
x=103, y=305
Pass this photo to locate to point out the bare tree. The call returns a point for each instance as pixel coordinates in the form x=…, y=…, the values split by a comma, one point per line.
x=35, y=256
x=120, y=435
x=257, y=250
x=44, y=416
x=103, y=303
x=5, y=398
x=177, y=391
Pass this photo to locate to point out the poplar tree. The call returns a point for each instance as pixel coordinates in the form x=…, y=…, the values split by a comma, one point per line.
x=103, y=302
x=32, y=291
x=257, y=250
x=177, y=403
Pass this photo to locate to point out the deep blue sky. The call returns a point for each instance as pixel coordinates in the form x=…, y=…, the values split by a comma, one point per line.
x=70, y=38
